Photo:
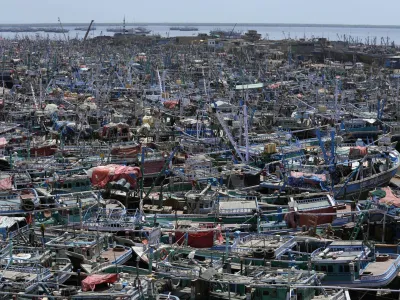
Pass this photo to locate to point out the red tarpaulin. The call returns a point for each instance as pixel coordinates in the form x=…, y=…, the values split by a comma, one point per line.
x=171, y=103
x=3, y=141
x=102, y=175
x=390, y=198
x=6, y=184
x=90, y=282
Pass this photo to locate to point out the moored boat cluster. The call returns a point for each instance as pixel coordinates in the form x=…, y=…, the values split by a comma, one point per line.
x=136, y=167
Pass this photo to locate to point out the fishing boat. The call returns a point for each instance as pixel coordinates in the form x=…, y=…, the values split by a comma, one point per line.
x=185, y=28
x=60, y=268
x=87, y=251
x=354, y=264
x=141, y=30
x=357, y=169
x=19, y=201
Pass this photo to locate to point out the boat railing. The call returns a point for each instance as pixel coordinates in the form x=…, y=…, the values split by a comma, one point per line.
x=5, y=252
x=256, y=236
x=312, y=200
x=114, y=214
x=71, y=171
x=100, y=266
x=178, y=271
x=124, y=256
x=239, y=249
x=217, y=263
x=338, y=296
x=231, y=211
x=229, y=197
x=285, y=247
x=138, y=292
x=173, y=216
x=111, y=225
x=74, y=197
x=11, y=208
x=20, y=230
x=317, y=252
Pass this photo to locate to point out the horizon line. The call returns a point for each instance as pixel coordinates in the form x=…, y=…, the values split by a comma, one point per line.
x=207, y=24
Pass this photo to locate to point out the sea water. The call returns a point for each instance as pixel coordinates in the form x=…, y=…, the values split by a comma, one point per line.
x=268, y=31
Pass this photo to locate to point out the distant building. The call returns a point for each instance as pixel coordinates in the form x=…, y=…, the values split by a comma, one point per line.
x=252, y=36
x=215, y=43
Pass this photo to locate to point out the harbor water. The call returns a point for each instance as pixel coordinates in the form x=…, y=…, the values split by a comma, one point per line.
x=268, y=31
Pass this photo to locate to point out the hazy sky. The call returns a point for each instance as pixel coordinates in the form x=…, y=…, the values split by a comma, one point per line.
x=382, y=12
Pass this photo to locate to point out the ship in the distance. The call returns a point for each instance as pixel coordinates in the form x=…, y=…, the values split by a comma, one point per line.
x=186, y=28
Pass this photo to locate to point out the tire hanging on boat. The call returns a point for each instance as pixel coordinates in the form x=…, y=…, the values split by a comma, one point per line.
x=28, y=205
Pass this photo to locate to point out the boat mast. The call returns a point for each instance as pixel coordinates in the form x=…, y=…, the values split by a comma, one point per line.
x=123, y=27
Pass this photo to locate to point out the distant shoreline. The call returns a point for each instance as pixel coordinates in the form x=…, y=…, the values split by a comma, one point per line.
x=206, y=24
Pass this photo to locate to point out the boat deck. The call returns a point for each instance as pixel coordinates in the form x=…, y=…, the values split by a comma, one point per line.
x=112, y=255
x=262, y=243
x=18, y=275
x=378, y=268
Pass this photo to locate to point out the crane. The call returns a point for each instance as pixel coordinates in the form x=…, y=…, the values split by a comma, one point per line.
x=62, y=28
x=232, y=30
x=88, y=30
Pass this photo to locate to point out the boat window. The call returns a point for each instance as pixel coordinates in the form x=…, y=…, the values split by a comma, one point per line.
x=265, y=293
x=69, y=185
x=346, y=269
x=341, y=269
x=201, y=205
x=317, y=268
x=323, y=268
x=330, y=269
x=355, y=269
x=64, y=186
x=78, y=184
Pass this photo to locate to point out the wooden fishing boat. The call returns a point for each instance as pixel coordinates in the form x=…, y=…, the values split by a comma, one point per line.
x=87, y=251
x=349, y=263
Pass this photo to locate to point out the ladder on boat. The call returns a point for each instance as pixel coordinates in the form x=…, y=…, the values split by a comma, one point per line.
x=318, y=283
x=360, y=221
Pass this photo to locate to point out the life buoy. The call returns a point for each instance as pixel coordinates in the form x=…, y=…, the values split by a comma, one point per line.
x=28, y=205
x=164, y=254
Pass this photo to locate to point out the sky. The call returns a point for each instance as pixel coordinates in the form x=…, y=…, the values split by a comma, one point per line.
x=371, y=12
